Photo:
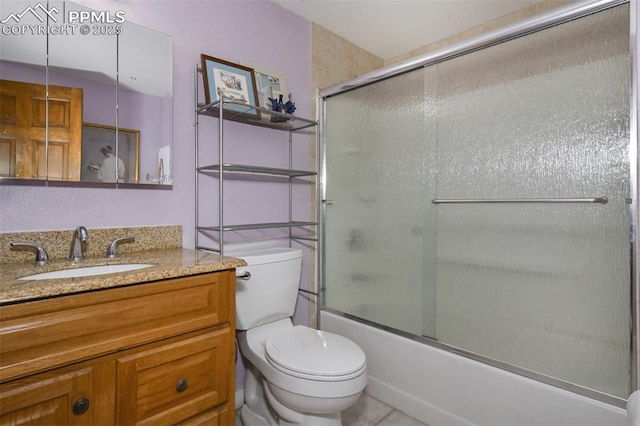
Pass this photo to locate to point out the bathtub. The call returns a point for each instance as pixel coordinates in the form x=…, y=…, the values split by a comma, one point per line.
x=441, y=388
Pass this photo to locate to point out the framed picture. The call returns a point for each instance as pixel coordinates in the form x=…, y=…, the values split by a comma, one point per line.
x=102, y=161
x=270, y=85
x=236, y=82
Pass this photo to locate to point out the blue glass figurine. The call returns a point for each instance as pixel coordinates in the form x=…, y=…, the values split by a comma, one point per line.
x=278, y=106
x=290, y=106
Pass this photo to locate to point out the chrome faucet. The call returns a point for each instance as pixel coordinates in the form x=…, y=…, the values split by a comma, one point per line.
x=112, y=249
x=80, y=236
x=42, y=258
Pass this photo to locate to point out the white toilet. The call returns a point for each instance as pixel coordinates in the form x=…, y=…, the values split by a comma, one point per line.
x=296, y=375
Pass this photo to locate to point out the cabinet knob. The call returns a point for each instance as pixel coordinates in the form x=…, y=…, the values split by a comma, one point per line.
x=80, y=406
x=182, y=385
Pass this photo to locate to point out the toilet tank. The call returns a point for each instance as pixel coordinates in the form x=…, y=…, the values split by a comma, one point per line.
x=270, y=292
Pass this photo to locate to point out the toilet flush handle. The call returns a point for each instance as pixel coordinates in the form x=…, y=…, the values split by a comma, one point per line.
x=243, y=275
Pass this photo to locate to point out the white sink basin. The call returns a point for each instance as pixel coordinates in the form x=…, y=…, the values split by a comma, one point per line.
x=87, y=271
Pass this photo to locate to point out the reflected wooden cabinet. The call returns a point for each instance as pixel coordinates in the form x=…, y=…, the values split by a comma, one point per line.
x=23, y=131
x=159, y=353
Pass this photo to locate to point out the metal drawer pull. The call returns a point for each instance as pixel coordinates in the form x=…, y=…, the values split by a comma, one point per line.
x=182, y=385
x=246, y=275
x=80, y=406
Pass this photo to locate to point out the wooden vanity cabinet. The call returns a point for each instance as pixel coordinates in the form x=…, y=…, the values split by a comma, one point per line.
x=160, y=353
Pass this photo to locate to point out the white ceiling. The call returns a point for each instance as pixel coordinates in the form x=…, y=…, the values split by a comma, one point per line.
x=389, y=28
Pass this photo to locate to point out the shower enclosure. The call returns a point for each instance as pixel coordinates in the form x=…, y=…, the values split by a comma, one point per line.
x=481, y=199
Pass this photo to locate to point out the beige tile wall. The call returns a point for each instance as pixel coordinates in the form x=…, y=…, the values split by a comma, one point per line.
x=335, y=59
x=481, y=29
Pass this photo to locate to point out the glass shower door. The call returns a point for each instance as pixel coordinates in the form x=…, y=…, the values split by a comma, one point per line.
x=376, y=176
x=540, y=285
x=454, y=212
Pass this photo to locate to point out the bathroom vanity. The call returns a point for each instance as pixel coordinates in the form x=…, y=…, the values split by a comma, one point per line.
x=155, y=346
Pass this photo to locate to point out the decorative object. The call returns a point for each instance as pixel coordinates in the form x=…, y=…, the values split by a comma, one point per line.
x=278, y=106
x=269, y=85
x=102, y=160
x=235, y=82
x=290, y=106
x=272, y=88
x=164, y=165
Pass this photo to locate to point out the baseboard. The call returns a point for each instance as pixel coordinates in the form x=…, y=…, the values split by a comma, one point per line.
x=417, y=408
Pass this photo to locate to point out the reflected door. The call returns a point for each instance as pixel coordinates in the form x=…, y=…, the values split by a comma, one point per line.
x=24, y=152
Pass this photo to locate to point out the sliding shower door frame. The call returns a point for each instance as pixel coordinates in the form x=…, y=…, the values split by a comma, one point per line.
x=534, y=24
x=635, y=193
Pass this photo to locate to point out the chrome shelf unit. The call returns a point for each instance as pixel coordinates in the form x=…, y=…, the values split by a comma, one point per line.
x=229, y=110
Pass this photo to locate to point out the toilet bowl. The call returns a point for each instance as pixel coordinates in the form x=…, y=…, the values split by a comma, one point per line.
x=314, y=375
x=296, y=375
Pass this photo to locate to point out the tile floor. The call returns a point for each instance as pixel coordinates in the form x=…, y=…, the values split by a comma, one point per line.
x=368, y=411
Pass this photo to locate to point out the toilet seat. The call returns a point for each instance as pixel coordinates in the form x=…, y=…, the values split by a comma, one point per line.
x=315, y=355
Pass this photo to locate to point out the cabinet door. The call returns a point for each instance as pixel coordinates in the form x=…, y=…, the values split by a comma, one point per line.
x=77, y=395
x=175, y=380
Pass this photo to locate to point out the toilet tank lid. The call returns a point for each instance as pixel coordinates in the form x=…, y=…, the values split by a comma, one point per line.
x=265, y=255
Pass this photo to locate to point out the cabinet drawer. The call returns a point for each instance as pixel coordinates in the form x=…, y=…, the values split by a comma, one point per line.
x=77, y=395
x=38, y=335
x=210, y=418
x=173, y=381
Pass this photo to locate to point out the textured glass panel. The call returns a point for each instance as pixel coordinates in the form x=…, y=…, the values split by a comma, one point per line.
x=375, y=172
x=541, y=286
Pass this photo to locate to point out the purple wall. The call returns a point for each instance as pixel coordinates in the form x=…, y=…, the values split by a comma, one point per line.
x=251, y=31
x=256, y=32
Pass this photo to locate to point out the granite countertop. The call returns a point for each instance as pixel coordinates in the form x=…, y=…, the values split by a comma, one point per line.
x=168, y=263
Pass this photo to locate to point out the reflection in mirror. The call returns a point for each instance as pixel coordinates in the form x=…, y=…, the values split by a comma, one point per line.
x=82, y=62
x=145, y=97
x=91, y=72
x=101, y=163
x=22, y=136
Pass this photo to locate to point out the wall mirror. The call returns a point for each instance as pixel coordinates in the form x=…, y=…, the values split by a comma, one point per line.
x=108, y=116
